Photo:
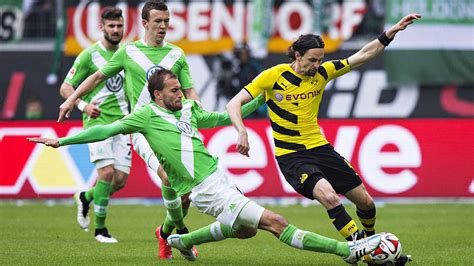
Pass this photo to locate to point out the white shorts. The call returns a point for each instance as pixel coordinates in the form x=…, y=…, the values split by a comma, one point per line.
x=219, y=197
x=141, y=146
x=115, y=150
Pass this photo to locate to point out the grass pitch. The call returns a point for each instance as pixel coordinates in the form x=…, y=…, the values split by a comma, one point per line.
x=36, y=234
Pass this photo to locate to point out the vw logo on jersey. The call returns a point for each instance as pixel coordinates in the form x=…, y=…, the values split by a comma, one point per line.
x=185, y=128
x=152, y=70
x=279, y=97
x=114, y=83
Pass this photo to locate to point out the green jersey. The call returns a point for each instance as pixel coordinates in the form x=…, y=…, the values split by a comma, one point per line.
x=140, y=61
x=109, y=95
x=173, y=137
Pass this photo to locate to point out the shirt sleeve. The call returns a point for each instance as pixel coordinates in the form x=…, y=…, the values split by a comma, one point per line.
x=261, y=83
x=93, y=134
x=333, y=69
x=79, y=70
x=184, y=75
x=213, y=119
x=137, y=121
x=115, y=64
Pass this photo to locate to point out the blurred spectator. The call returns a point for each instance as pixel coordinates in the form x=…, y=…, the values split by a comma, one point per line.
x=33, y=108
x=40, y=19
x=234, y=71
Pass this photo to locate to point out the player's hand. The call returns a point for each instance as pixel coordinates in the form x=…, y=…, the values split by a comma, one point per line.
x=65, y=110
x=404, y=22
x=48, y=142
x=243, y=146
x=92, y=110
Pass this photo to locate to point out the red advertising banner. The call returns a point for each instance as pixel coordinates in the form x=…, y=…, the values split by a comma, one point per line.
x=396, y=158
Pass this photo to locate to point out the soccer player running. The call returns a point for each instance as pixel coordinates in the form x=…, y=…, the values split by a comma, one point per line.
x=170, y=126
x=307, y=160
x=104, y=104
x=139, y=60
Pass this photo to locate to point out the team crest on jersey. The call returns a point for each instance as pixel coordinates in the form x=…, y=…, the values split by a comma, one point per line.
x=279, y=97
x=114, y=83
x=185, y=128
x=152, y=70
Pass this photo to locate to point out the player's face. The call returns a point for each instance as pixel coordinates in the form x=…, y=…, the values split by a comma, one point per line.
x=113, y=30
x=310, y=61
x=157, y=24
x=171, y=95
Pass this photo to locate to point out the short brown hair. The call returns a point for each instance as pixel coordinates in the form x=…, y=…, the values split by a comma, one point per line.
x=304, y=43
x=111, y=13
x=153, y=4
x=157, y=80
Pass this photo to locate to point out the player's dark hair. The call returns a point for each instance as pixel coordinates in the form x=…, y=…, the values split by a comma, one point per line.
x=153, y=4
x=157, y=80
x=111, y=13
x=304, y=43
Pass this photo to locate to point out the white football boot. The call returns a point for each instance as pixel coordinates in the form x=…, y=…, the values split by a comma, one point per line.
x=83, y=218
x=102, y=236
x=362, y=247
x=175, y=241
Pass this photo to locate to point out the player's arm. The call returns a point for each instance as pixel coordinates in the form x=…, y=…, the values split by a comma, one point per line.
x=92, y=134
x=375, y=47
x=91, y=82
x=214, y=119
x=259, y=85
x=191, y=94
x=134, y=122
x=91, y=109
x=235, y=115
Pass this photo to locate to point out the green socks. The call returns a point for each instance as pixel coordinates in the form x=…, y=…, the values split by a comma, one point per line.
x=174, y=212
x=101, y=201
x=297, y=238
x=213, y=232
x=90, y=194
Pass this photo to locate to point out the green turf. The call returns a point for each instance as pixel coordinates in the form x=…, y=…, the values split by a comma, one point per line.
x=436, y=234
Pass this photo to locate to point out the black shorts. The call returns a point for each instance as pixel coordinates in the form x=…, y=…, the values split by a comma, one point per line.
x=303, y=169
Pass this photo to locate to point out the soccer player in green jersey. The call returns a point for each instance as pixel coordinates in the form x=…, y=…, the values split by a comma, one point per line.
x=170, y=126
x=104, y=104
x=306, y=159
x=139, y=60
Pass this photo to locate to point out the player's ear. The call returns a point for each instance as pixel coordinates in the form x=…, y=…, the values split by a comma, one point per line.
x=297, y=55
x=157, y=94
x=145, y=24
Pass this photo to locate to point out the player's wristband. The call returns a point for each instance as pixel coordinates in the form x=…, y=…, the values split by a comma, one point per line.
x=82, y=105
x=384, y=39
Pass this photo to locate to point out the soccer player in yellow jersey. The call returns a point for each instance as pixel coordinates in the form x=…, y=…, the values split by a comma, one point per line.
x=309, y=163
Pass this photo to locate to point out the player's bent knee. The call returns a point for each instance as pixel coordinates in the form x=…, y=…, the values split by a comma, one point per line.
x=106, y=173
x=245, y=232
x=185, y=201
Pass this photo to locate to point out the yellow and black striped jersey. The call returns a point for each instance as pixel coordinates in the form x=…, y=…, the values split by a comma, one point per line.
x=293, y=103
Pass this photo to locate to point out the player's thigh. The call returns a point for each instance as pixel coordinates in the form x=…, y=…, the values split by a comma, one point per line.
x=336, y=169
x=301, y=172
x=219, y=197
x=101, y=155
x=122, y=153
